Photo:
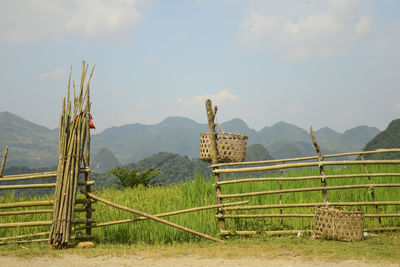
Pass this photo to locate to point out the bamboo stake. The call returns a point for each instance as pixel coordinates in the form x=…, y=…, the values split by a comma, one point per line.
x=371, y=188
x=166, y=214
x=262, y=179
x=321, y=166
x=304, y=190
x=152, y=217
x=280, y=195
x=304, y=164
x=3, y=162
x=86, y=160
x=214, y=157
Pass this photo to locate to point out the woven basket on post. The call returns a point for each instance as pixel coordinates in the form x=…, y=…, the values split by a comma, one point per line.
x=231, y=147
x=334, y=223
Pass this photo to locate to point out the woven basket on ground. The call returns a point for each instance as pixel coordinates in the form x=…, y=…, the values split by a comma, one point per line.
x=334, y=223
x=231, y=147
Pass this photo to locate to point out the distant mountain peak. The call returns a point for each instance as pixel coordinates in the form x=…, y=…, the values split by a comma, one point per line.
x=177, y=120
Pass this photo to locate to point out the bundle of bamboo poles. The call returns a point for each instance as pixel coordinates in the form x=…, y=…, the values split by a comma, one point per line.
x=73, y=131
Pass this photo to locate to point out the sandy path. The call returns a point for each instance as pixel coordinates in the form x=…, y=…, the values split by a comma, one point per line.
x=190, y=260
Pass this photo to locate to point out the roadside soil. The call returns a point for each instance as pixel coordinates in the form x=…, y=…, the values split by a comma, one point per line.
x=194, y=260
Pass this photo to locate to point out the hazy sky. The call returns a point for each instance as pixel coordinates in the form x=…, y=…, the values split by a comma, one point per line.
x=307, y=62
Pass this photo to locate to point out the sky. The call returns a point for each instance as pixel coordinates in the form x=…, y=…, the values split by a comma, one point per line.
x=306, y=62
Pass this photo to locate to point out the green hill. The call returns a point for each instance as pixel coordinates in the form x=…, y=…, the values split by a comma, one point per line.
x=104, y=160
x=30, y=145
x=257, y=152
x=389, y=138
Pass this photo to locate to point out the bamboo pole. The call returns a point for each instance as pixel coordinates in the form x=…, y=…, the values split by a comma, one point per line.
x=24, y=212
x=25, y=186
x=280, y=195
x=27, y=177
x=25, y=224
x=286, y=215
x=262, y=179
x=321, y=166
x=23, y=236
x=3, y=162
x=303, y=205
x=295, y=232
x=166, y=214
x=25, y=241
x=86, y=162
x=304, y=164
x=304, y=190
x=371, y=188
x=26, y=204
x=298, y=215
x=211, y=113
x=304, y=158
x=37, y=203
x=152, y=217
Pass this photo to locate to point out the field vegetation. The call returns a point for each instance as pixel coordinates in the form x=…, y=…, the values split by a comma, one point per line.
x=199, y=191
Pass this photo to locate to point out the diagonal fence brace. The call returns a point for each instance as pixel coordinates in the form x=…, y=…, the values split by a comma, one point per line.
x=149, y=216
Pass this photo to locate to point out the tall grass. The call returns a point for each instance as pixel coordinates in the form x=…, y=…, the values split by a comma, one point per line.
x=200, y=191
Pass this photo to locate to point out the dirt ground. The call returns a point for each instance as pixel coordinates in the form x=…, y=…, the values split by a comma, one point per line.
x=187, y=260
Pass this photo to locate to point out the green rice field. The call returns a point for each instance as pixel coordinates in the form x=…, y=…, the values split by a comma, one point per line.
x=200, y=191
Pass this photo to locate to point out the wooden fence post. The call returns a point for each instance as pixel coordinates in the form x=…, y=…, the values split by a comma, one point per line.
x=321, y=166
x=3, y=162
x=372, y=189
x=86, y=162
x=280, y=195
x=214, y=159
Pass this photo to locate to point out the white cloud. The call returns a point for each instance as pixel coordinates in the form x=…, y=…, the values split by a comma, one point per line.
x=396, y=107
x=22, y=21
x=57, y=73
x=322, y=32
x=219, y=97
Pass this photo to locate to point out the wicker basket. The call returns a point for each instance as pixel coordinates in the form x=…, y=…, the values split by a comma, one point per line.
x=231, y=147
x=334, y=223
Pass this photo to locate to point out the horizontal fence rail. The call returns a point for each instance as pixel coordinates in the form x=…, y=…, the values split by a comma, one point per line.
x=300, y=178
x=306, y=164
x=304, y=205
x=27, y=186
x=293, y=190
x=305, y=215
x=304, y=158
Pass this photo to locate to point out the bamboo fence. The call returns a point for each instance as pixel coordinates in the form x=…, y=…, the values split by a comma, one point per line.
x=282, y=164
x=286, y=210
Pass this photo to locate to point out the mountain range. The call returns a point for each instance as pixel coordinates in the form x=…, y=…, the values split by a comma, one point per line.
x=33, y=145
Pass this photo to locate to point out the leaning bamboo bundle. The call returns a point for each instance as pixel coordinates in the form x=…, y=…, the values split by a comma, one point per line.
x=73, y=128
